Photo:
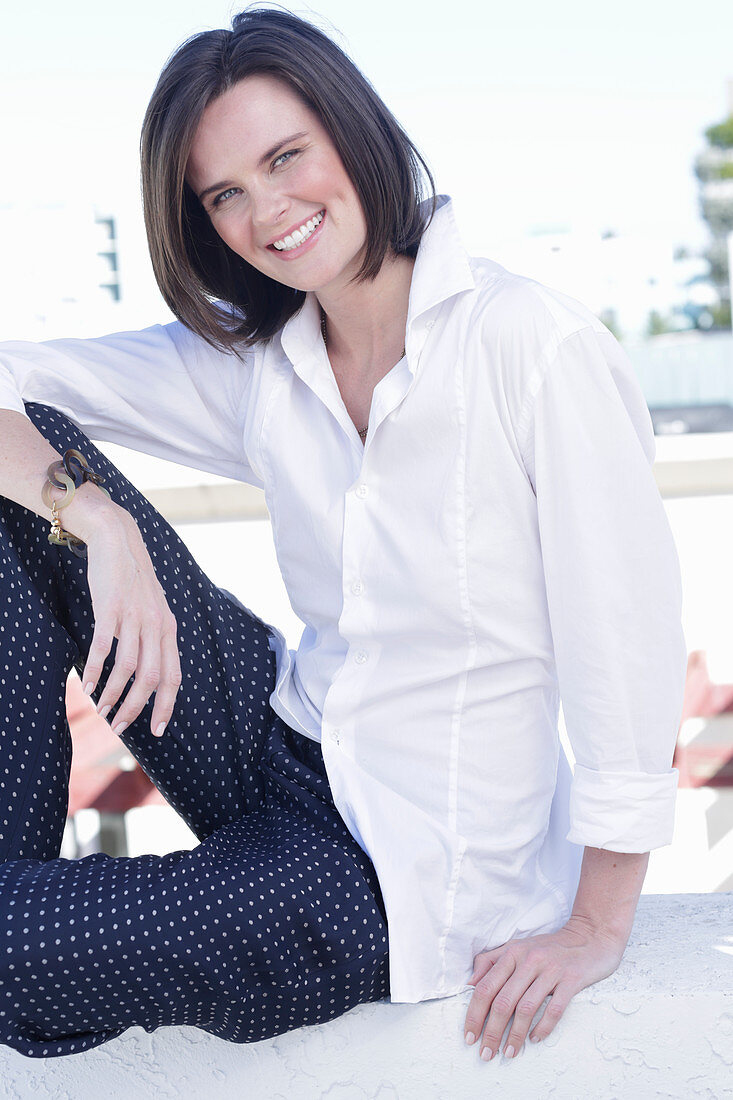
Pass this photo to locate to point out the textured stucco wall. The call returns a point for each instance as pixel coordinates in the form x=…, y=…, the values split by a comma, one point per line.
x=661, y=1026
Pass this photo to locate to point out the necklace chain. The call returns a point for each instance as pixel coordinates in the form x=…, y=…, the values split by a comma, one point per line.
x=363, y=431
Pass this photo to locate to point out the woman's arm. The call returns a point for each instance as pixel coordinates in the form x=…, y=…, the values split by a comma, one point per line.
x=25, y=455
x=608, y=893
x=613, y=589
x=162, y=391
x=128, y=601
x=516, y=978
x=614, y=596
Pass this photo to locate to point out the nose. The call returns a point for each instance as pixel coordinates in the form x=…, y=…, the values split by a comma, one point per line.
x=268, y=210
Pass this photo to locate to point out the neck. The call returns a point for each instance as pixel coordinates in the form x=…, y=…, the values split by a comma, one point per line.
x=366, y=321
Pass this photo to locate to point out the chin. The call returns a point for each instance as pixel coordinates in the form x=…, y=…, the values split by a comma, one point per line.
x=315, y=281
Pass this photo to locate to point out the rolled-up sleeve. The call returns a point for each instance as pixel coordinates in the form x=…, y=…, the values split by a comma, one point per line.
x=613, y=590
x=161, y=390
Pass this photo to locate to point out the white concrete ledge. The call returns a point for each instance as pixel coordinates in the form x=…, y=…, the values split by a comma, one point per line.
x=685, y=467
x=661, y=1026
x=689, y=465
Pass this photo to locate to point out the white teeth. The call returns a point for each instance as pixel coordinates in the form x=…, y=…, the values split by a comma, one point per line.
x=298, y=235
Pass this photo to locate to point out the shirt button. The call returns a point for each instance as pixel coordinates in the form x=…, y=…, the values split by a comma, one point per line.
x=361, y=657
x=361, y=491
x=336, y=737
x=357, y=588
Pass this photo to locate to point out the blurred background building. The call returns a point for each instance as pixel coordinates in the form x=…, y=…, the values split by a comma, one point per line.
x=63, y=270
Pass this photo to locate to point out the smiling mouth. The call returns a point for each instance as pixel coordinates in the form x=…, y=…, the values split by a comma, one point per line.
x=292, y=241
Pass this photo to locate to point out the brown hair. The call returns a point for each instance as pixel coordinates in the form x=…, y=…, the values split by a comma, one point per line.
x=192, y=265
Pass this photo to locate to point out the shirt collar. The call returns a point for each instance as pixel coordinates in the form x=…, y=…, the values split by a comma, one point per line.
x=442, y=268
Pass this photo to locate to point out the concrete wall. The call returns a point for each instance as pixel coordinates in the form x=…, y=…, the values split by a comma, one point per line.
x=661, y=1026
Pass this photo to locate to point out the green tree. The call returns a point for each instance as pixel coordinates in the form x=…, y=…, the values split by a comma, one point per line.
x=713, y=168
x=721, y=315
x=657, y=324
x=610, y=320
x=721, y=134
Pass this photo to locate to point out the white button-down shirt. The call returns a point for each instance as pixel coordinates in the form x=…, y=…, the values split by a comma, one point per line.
x=499, y=544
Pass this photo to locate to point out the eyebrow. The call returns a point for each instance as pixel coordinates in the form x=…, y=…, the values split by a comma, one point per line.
x=263, y=159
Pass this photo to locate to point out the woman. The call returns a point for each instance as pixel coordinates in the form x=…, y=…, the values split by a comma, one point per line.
x=457, y=463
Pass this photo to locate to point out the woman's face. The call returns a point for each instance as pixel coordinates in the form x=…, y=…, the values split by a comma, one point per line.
x=263, y=166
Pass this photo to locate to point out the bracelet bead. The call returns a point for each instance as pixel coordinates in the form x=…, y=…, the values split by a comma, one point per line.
x=68, y=474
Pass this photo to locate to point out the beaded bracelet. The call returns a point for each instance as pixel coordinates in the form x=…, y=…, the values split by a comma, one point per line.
x=68, y=473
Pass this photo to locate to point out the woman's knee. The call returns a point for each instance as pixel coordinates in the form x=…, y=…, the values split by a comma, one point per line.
x=55, y=425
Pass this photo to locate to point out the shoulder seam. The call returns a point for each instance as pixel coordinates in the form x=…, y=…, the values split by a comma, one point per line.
x=538, y=376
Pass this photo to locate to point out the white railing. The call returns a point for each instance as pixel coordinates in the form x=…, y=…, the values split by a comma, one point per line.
x=690, y=465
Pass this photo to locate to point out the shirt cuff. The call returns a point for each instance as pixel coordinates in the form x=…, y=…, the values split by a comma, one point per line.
x=622, y=811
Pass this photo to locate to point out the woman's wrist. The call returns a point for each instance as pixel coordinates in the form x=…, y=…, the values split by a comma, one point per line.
x=608, y=893
x=615, y=934
x=89, y=512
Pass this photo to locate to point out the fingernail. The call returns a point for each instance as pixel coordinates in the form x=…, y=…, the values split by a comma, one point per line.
x=470, y=1037
x=487, y=1054
x=509, y=1052
x=88, y=688
x=535, y=1038
x=119, y=728
x=160, y=729
x=105, y=710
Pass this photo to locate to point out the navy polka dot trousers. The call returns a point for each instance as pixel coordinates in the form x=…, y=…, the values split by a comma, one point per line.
x=274, y=921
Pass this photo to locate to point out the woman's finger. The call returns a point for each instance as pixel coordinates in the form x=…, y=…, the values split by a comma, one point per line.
x=486, y=989
x=102, y=638
x=147, y=678
x=503, y=1005
x=123, y=668
x=559, y=1001
x=483, y=962
x=170, y=679
x=527, y=1006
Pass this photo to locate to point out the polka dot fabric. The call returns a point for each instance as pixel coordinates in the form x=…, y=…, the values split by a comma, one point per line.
x=274, y=921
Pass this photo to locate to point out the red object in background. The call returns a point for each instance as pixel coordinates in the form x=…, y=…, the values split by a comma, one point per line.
x=97, y=781
x=704, y=699
x=707, y=761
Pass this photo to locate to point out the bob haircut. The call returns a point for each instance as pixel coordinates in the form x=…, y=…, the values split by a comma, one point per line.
x=209, y=288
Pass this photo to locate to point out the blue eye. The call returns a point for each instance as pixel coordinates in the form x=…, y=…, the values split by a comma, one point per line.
x=289, y=153
x=224, y=196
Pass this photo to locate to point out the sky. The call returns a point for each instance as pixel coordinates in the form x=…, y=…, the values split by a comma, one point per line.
x=533, y=116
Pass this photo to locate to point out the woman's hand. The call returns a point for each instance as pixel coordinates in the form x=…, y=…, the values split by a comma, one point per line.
x=129, y=604
x=516, y=978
